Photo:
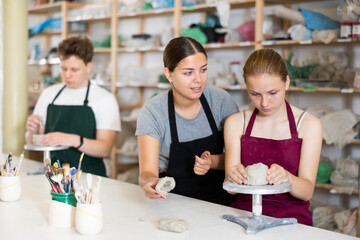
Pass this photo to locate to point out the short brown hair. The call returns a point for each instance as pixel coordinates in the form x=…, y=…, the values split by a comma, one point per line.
x=76, y=46
x=178, y=49
x=265, y=61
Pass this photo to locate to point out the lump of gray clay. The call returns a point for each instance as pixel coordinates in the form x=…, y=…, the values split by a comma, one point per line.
x=256, y=174
x=165, y=185
x=173, y=224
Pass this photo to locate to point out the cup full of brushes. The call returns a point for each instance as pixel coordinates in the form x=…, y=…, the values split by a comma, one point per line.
x=89, y=217
x=10, y=181
x=63, y=202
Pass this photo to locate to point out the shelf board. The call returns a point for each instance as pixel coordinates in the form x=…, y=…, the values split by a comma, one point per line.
x=309, y=42
x=210, y=46
x=330, y=186
x=44, y=61
x=196, y=8
x=45, y=8
x=49, y=33
x=291, y=1
x=323, y=89
x=120, y=152
x=140, y=49
x=231, y=87
x=100, y=19
x=102, y=50
x=52, y=7
x=32, y=90
x=126, y=119
x=147, y=13
x=211, y=7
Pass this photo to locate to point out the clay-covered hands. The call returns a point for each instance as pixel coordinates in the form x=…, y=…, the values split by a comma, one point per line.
x=34, y=124
x=277, y=174
x=237, y=174
x=202, y=163
x=60, y=139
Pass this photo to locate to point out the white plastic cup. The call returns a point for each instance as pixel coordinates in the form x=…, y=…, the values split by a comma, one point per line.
x=10, y=188
x=89, y=218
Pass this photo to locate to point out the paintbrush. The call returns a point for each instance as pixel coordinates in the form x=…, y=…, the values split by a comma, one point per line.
x=17, y=168
x=47, y=163
x=79, y=167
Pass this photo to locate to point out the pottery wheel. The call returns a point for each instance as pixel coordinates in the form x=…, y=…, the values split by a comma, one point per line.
x=257, y=222
x=45, y=149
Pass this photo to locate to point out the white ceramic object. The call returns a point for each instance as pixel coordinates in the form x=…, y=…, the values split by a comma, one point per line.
x=89, y=218
x=10, y=188
x=61, y=214
x=37, y=138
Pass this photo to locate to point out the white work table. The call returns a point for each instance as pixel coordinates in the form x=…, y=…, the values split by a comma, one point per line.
x=128, y=214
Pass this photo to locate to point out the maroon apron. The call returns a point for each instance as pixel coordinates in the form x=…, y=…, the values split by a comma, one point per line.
x=286, y=153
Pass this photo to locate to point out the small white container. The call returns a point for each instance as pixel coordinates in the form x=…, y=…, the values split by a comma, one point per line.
x=61, y=214
x=89, y=218
x=37, y=139
x=10, y=188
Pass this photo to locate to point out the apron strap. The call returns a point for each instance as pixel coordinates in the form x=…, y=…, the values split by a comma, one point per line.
x=251, y=122
x=290, y=116
x=58, y=94
x=208, y=113
x=292, y=124
x=172, y=119
x=86, y=97
x=87, y=94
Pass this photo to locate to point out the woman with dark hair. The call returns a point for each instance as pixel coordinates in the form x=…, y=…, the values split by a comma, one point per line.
x=277, y=134
x=180, y=131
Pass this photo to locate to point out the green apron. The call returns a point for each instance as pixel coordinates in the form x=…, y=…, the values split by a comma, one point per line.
x=77, y=119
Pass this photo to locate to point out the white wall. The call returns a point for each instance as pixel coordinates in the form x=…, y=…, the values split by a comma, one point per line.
x=1, y=75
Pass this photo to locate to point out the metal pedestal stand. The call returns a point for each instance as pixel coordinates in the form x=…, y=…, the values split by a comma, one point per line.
x=46, y=152
x=257, y=222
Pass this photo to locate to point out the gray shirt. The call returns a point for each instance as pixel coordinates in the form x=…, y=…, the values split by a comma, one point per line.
x=153, y=120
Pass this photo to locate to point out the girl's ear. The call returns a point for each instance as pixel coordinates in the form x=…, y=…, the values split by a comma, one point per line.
x=287, y=83
x=167, y=74
x=89, y=67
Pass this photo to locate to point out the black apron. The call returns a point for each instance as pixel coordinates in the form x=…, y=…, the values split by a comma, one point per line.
x=80, y=120
x=207, y=187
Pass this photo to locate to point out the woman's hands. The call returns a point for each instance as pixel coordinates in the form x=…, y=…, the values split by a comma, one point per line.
x=34, y=124
x=60, y=139
x=276, y=174
x=202, y=163
x=149, y=189
x=237, y=174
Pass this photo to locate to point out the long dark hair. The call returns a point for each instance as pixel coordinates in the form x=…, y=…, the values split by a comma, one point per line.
x=180, y=48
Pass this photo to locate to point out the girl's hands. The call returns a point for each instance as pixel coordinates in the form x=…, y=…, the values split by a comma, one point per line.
x=277, y=174
x=149, y=189
x=237, y=174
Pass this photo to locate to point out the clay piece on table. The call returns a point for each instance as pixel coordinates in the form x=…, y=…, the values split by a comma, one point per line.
x=173, y=224
x=256, y=174
x=165, y=185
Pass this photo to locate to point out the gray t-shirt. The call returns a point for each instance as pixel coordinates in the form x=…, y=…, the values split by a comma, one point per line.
x=153, y=120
